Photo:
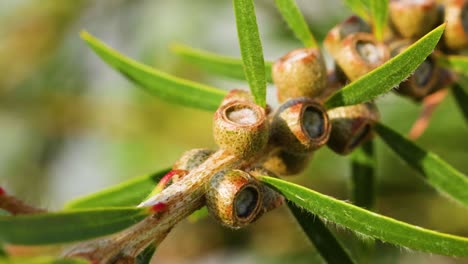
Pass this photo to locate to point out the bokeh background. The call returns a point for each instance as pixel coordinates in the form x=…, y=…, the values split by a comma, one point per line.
x=70, y=125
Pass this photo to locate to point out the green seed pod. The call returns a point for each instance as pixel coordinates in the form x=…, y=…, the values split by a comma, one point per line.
x=285, y=163
x=301, y=72
x=240, y=128
x=237, y=95
x=413, y=19
x=424, y=79
x=234, y=198
x=456, y=32
x=353, y=24
x=351, y=126
x=359, y=54
x=192, y=159
x=300, y=125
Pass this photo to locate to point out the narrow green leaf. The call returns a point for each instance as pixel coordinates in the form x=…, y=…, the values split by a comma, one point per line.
x=41, y=260
x=369, y=223
x=363, y=176
x=389, y=75
x=63, y=227
x=317, y=232
x=456, y=63
x=461, y=96
x=436, y=172
x=223, y=65
x=251, y=49
x=293, y=16
x=379, y=13
x=359, y=7
x=145, y=256
x=161, y=84
x=129, y=193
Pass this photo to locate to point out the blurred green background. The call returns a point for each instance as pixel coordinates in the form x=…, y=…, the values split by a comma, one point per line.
x=70, y=125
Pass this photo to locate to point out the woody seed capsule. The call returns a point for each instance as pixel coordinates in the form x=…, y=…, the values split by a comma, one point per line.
x=192, y=159
x=240, y=128
x=234, y=198
x=413, y=18
x=301, y=72
x=285, y=163
x=300, y=125
x=456, y=32
x=351, y=126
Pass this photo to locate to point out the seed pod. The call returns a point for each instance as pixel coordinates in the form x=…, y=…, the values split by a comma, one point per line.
x=413, y=19
x=300, y=125
x=424, y=79
x=192, y=159
x=359, y=54
x=285, y=163
x=351, y=126
x=234, y=198
x=456, y=32
x=301, y=72
x=237, y=95
x=353, y=24
x=240, y=128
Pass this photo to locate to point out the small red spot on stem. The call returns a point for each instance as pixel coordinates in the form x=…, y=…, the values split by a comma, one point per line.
x=166, y=178
x=2, y=191
x=159, y=207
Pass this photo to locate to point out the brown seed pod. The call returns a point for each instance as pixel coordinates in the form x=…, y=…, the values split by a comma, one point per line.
x=240, y=128
x=192, y=159
x=300, y=125
x=301, y=72
x=271, y=198
x=413, y=19
x=234, y=198
x=456, y=32
x=237, y=95
x=359, y=54
x=353, y=24
x=351, y=126
x=285, y=163
x=424, y=79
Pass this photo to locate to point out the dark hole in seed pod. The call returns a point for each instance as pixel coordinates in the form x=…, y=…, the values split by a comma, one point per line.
x=369, y=52
x=360, y=136
x=313, y=122
x=464, y=17
x=241, y=114
x=246, y=202
x=423, y=73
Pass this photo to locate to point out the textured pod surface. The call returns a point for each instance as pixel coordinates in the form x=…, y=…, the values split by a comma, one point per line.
x=300, y=125
x=301, y=72
x=285, y=163
x=192, y=159
x=359, y=54
x=271, y=198
x=237, y=95
x=351, y=126
x=234, y=198
x=352, y=24
x=240, y=128
x=413, y=19
x=424, y=79
x=456, y=32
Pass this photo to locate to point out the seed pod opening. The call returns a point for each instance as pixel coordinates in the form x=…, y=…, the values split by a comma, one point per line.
x=285, y=163
x=192, y=159
x=234, y=198
x=456, y=32
x=359, y=54
x=351, y=25
x=301, y=72
x=271, y=198
x=351, y=126
x=300, y=125
x=240, y=128
x=424, y=79
x=414, y=18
